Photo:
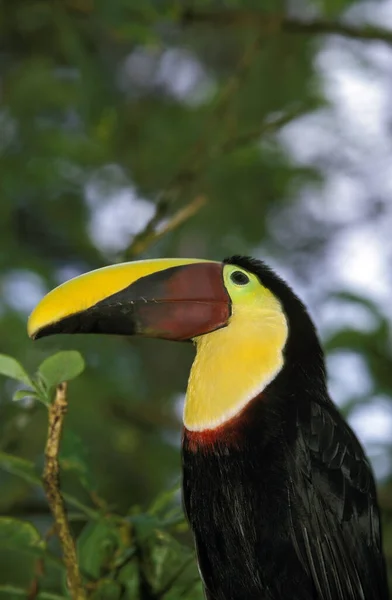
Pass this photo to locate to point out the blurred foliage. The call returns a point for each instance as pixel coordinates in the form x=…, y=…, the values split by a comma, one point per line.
x=131, y=557
x=111, y=111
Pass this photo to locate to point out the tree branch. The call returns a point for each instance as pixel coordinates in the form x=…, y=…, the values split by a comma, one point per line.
x=267, y=127
x=193, y=164
x=278, y=23
x=201, y=153
x=170, y=583
x=143, y=240
x=153, y=232
x=51, y=480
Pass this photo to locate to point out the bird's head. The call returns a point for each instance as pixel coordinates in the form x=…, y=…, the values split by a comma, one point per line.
x=246, y=322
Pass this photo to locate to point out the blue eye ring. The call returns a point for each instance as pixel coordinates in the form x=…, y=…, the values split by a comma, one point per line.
x=239, y=278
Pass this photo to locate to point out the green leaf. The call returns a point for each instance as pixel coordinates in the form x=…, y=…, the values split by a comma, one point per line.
x=164, y=499
x=43, y=392
x=10, y=367
x=97, y=547
x=60, y=367
x=19, y=535
x=107, y=590
x=73, y=458
x=166, y=563
x=26, y=470
x=9, y=592
x=21, y=394
x=129, y=577
x=21, y=467
x=145, y=525
x=356, y=299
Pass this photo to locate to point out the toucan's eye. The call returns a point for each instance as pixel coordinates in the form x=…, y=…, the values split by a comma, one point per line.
x=239, y=278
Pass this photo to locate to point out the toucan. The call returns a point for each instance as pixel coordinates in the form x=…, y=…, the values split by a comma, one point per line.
x=277, y=489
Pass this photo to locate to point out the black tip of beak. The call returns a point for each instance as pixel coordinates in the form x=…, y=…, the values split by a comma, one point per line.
x=93, y=320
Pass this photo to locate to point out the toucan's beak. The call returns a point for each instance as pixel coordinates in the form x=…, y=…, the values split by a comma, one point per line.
x=175, y=299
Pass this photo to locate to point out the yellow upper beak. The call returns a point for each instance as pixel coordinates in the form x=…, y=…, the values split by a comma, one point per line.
x=106, y=300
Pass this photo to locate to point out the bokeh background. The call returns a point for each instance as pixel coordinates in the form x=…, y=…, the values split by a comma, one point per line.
x=136, y=129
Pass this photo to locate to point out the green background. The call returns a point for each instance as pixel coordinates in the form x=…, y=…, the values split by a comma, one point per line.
x=113, y=112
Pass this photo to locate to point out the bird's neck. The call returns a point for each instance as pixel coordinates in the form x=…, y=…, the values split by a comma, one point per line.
x=233, y=365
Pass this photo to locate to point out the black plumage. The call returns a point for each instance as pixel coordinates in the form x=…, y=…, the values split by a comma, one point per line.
x=282, y=502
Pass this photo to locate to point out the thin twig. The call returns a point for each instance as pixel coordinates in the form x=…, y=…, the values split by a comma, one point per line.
x=170, y=583
x=194, y=162
x=151, y=233
x=267, y=127
x=13, y=592
x=39, y=569
x=51, y=480
x=278, y=23
x=141, y=243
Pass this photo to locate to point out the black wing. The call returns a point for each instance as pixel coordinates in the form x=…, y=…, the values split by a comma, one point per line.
x=335, y=522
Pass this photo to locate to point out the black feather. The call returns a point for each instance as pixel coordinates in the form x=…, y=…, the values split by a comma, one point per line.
x=290, y=509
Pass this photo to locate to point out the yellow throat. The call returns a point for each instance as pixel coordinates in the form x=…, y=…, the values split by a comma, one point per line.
x=234, y=364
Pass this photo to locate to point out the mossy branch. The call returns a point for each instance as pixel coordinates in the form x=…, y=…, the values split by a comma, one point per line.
x=51, y=480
